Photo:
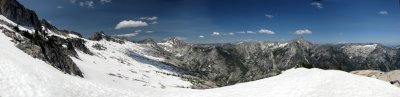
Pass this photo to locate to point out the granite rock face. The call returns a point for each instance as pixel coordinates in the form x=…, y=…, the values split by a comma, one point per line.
x=55, y=50
x=51, y=49
x=97, y=36
x=231, y=63
x=392, y=77
x=16, y=12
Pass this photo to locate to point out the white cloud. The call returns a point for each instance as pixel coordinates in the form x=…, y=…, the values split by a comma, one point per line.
x=201, y=36
x=105, y=1
x=72, y=1
x=302, y=32
x=127, y=35
x=383, y=12
x=241, y=32
x=244, y=32
x=317, y=5
x=154, y=22
x=215, y=33
x=89, y=4
x=149, y=18
x=149, y=31
x=251, y=32
x=231, y=33
x=82, y=4
x=59, y=7
x=269, y=16
x=130, y=23
x=266, y=31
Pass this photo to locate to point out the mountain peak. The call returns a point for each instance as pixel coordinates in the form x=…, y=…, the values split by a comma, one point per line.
x=175, y=41
x=301, y=41
x=99, y=36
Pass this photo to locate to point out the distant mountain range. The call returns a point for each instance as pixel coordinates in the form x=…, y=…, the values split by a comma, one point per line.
x=230, y=63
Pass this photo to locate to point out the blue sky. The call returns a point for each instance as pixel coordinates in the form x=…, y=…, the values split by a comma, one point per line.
x=205, y=21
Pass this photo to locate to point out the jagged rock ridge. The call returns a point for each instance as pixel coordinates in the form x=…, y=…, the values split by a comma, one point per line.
x=45, y=42
x=230, y=63
x=16, y=12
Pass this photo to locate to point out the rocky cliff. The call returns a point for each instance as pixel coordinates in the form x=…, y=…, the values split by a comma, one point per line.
x=230, y=63
x=19, y=14
x=44, y=41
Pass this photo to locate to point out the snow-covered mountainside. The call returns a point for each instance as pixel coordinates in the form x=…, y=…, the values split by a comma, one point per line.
x=24, y=76
x=126, y=65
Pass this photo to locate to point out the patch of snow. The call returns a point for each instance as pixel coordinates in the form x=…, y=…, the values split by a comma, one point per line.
x=3, y=18
x=282, y=45
x=166, y=46
x=126, y=65
x=73, y=36
x=7, y=20
x=359, y=50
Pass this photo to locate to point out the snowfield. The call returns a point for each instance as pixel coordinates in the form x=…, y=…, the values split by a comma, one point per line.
x=126, y=65
x=23, y=76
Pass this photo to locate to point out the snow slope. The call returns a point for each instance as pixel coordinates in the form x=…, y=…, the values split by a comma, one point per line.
x=24, y=76
x=126, y=65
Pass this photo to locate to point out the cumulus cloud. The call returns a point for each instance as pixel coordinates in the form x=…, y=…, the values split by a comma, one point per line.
x=201, y=36
x=266, y=31
x=150, y=20
x=317, y=5
x=215, y=33
x=153, y=18
x=269, y=16
x=302, y=32
x=383, y=12
x=130, y=23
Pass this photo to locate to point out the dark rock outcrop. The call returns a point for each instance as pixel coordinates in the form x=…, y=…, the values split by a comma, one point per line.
x=54, y=50
x=16, y=12
x=47, y=48
x=97, y=36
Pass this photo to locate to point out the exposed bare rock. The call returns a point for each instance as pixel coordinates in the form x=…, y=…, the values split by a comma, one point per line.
x=16, y=12
x=393, y=77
